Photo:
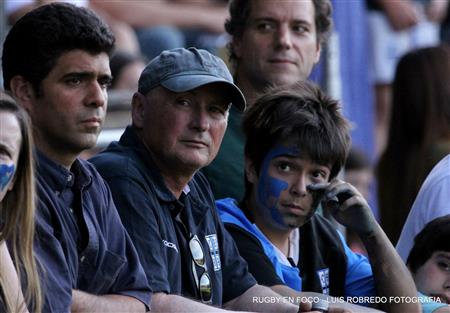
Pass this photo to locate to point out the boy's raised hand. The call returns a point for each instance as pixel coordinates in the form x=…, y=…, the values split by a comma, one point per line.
x=346, y=204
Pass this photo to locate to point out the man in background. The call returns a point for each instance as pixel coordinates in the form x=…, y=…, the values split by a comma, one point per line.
x=274, y=43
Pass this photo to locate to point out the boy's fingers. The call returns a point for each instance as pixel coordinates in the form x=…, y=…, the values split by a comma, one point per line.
x=318, y=187
x=332, y=204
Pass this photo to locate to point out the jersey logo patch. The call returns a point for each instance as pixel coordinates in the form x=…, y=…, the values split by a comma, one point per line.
x=169, y=244
x=324, y=278
x=213, y=244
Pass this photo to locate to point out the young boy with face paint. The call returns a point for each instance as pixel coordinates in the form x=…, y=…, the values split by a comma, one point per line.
x=297, y=142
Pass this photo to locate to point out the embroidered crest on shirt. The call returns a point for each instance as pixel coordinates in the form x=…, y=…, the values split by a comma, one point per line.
x=213, y=244
x=324, y=278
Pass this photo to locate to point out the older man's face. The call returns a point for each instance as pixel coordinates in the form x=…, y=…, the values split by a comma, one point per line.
x=184, y=130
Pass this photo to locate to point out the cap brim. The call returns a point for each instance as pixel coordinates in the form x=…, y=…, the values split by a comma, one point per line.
x=185, y=83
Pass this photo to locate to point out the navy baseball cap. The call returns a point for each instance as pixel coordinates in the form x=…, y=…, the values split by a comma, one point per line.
x=181, y=70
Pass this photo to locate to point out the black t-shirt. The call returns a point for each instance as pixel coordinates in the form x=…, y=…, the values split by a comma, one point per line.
x=320, y=248
x=253, y=252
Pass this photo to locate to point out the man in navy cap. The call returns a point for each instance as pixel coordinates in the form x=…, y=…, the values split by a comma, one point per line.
x=179, y=117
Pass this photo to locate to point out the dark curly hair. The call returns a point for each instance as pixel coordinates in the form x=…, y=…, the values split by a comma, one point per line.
x=39, y=38
x=240, y=11
x=433, y=237
x=300, y=114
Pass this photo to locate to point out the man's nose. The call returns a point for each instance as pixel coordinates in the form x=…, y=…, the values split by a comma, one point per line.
x=284, y=37
x=97, y=95
x=298, y=186
x=201, y=120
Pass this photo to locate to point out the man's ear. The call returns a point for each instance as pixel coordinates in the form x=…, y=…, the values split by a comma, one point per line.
x=237, y=46
x=23, y=92
x=137, y=110
x=318, y=52
x=250, y=171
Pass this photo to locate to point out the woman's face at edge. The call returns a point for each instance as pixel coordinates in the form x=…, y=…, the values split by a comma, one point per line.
x=10, y=143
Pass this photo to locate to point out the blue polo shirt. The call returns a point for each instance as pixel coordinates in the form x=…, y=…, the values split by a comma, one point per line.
x=161, y=225
x=80, y=241
x=269, y=270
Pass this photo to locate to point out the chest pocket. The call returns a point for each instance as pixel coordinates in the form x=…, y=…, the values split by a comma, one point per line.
x=99, y=277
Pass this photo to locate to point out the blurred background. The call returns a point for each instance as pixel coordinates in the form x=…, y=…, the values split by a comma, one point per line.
x=396, y=96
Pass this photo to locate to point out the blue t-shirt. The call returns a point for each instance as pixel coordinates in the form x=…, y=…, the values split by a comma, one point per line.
x=428, y=305
x=358, y=273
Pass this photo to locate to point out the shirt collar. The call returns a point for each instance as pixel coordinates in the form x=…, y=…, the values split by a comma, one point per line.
x=130, y=139
x=58, y=177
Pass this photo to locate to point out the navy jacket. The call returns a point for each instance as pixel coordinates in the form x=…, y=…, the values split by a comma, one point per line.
x=161, y=225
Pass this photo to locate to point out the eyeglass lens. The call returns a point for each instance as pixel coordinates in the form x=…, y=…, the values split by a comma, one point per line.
x=205, y=287
x=197, y=251
x=199, y=258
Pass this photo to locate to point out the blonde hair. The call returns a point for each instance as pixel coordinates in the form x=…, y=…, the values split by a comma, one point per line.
x=18, y=216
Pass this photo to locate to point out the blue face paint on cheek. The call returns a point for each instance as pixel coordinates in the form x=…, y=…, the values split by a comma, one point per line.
x=269, y=188
x=6, y=174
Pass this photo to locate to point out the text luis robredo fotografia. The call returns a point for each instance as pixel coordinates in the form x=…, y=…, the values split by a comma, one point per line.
x=354, y=300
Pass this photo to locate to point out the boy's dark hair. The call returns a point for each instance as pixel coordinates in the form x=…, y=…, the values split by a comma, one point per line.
x=39, y=38
x=240, y=11
x=433, y=237
x=301, y=115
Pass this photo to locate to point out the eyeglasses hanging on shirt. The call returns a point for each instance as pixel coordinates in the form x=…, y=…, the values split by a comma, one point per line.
x=203, y=281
